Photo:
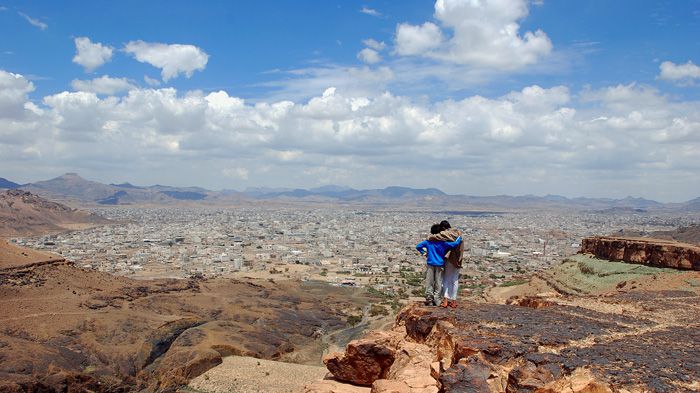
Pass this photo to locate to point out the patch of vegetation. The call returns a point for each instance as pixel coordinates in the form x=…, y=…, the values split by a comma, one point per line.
x=585, y=269
x=377, y=293
x=376, y=309
x=413, y=279
x=585, y=274
x=354, y=320
x=513, y=283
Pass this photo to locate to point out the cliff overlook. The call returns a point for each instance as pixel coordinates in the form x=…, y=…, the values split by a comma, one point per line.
x=595, y=326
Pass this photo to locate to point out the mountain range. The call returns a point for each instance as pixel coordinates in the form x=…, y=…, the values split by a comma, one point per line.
x=72, y=187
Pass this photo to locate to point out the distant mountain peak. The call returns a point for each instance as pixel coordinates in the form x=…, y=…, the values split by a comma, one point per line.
x=330, y=188
x=69, y=176
x=4, y=183
x=126, y=185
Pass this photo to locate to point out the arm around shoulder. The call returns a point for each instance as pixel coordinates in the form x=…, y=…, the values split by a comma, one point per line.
x=455, y=243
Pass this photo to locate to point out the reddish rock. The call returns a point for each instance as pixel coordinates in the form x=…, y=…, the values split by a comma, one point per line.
x=490, y=347
x=580, y=381
x=529, y=301
x=412, y=367
x=473, y=375
x=364, y=361
x=529, y=376
x=390, y=386
x=652, y=252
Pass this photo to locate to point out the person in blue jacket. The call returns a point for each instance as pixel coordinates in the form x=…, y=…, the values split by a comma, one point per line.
x=435, y=251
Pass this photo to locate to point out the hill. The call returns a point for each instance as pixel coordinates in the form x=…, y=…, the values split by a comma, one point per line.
x=72, y=187
x=68, y=329
x=4, y=183
x=25, y=214
x=13, y=256
x=689, y=234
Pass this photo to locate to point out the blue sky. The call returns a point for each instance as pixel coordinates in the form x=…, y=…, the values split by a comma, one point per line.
x=592, y=98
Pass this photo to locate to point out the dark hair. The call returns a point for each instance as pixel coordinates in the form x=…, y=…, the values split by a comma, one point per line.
x=435, y=229
x=445, y=225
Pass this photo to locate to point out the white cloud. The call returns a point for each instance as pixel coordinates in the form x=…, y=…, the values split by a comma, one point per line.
x=238, y=173
x=416, y=40
x=369, y=56
x=34, y=22
x=91, y=55
x=14, y=89
x=173, y=59
x=374, y=44
x=536, y=139
x=483, y=34
x=680, y=73
x=305, y=83
x=103, y=85
x=370, y=11
x=151, y=81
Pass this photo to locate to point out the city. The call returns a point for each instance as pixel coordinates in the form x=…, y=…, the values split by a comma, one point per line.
x=347, y=247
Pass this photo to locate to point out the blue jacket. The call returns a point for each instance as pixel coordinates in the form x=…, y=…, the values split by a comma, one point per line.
x=436, y=250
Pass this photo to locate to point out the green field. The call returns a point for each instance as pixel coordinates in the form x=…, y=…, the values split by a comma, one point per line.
x=583, y=274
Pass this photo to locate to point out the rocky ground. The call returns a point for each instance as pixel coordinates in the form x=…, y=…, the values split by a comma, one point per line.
x=68, y=329
x=636, y=331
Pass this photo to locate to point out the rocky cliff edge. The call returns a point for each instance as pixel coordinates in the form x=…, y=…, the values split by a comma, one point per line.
x=617, y=342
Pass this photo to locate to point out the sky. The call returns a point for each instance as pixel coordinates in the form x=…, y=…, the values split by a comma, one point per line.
x=479, y=97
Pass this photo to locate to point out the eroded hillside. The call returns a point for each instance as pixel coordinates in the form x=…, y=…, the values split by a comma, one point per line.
x=67, y=328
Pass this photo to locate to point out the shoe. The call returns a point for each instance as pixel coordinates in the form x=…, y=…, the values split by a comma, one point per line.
x=428, y=302
x=453, y=304
x=444, y=303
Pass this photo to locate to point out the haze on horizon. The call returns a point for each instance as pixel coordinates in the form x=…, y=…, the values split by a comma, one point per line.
x=477, y=98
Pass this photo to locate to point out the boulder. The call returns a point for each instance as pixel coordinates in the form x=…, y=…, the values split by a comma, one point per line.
x=365, y=360
x=412, y=366
x=474, y=374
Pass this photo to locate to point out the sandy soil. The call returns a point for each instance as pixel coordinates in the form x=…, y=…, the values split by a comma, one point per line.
x=247, y=374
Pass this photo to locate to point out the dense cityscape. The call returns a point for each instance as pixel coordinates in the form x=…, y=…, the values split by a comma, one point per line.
x=341, y=246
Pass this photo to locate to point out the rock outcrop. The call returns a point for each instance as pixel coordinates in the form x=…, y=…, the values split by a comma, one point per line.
x=633, y=342
x=652, y=252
